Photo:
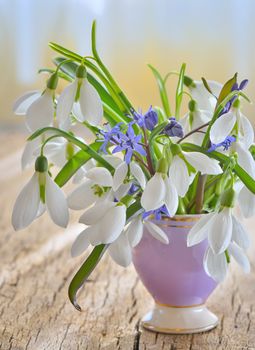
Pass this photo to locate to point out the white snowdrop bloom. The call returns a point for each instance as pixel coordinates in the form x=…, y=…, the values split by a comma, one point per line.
x=135, y=231
x=81, y=173
x=40, y=190
x=81, y=98
x=219, y=228
x=121, y=251
x=179, y=174
x=204, y=99
x=160, y=190
x=106, y=222
x=216, y=265
x=38, y=108
x=193, y=120
x=246, y=198
x=222, y=127
x=121, y=174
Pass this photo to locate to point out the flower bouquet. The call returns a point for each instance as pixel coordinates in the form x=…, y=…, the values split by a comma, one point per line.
x=158, y=188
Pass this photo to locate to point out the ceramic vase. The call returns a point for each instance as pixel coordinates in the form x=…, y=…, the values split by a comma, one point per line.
x=174, y=276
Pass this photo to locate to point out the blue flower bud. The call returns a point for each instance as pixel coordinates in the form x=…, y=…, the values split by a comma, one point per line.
x=174, y=128
x=150, y=119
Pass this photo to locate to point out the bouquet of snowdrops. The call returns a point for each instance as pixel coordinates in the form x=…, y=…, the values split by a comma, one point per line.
x=140, y=165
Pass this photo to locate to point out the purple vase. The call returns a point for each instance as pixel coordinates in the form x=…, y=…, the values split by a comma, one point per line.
x=175, y=277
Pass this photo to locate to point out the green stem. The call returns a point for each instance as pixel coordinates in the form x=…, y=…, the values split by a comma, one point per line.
x=200, y=193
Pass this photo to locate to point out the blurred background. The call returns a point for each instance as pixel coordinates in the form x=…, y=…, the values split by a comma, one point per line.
x=214, y=38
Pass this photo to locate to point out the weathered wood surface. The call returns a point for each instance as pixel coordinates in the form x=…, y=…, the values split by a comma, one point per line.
x=36, y=268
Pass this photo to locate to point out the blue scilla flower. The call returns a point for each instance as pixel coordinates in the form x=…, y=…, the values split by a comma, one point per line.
x=148, y=120
x=110, y=135
x=173, y=128
x=225, y=144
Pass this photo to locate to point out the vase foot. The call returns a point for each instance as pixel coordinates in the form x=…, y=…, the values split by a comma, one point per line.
x=179, y=320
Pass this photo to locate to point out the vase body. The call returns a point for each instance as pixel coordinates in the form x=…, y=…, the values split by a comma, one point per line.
x=174, y=276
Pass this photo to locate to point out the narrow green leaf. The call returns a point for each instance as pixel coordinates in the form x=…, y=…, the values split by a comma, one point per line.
x=91, y=262
x=156, y=131
x=179, y=91
x=76, y=142
x=206, y=85
x=162, y=90
x=248, y=181
x=60, y=74
x=84, y=272
x=74, y=164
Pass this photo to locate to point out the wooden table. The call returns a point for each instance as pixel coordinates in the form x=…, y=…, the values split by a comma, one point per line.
x=35, y=270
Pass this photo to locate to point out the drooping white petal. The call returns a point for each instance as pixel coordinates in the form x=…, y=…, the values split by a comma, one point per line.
x=239, y=256
x=22, y=104
x=220, y=234
x=112, y=224
x=245, y=159
x=222, y=127
x=200, y=230
x=80, y=174
x=156, y=232
x=247, y=130
x=202, y=163
x=239, y=234
x=80, y=244
x=119, y=175
x=246, y=199
x=83, y=196
x=122, y=190
x=154, y=193
x=93, y=233
x=215, y=265
x=56, y=203
x=120, y=250
x=179, y=175
x=41, y=112
x=100, y=176
x=135, y=231
x=203, y=98
x=66, y=101
x=114, y=161
x=171, y=197
x=27, y=204
x=90, y=104
x=28, y=155
x=138, y=174
x=93, y=214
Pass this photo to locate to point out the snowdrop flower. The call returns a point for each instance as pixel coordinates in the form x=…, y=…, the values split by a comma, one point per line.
x=40, y=190
x=82, y=99
x=38, y=108
x=179, y=173
x=204, y=99
x=91, y=190
x=106, y=220
x=122, y=171
x=135, y=231
x=160, y=190
x=216, y=265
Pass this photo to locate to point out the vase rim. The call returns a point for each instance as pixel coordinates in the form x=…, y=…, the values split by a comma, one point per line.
x=180, y=221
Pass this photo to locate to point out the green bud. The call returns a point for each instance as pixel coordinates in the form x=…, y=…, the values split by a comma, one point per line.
x=237, y=103
x=175, y=149
x=228, y=198
x=162, y=166
x=81, y=72
x=188, y=81
x=41, y=164
x=192, y=105
x=52, y=81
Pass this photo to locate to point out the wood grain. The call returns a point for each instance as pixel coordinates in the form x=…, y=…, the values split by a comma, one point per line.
x=35, y=271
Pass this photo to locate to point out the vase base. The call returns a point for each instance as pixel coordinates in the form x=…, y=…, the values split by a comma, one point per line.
x=179, y=320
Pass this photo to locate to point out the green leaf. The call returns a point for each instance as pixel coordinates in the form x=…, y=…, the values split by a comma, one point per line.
x=84, y=272
x=179, y=91
x=60, y=74
x=74, y=164
x=162, y=90
x=226, y=90
x=248, y=181
x=91, y=262
x=156, y=131
x=75, y=141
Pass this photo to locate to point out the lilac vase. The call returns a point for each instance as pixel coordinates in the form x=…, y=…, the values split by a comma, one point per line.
x=175, y=277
